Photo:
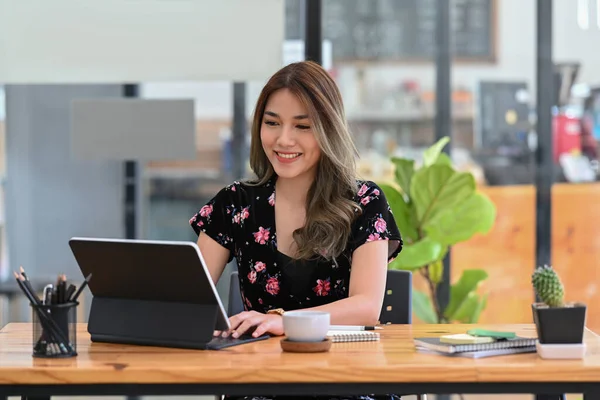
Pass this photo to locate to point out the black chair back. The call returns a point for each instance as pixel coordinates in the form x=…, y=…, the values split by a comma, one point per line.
x=397, y=303
x=236, y=304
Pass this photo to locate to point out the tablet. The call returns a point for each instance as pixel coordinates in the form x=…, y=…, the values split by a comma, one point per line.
x=157, y=272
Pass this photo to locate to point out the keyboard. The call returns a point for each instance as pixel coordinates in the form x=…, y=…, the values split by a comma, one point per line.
x=220, y=342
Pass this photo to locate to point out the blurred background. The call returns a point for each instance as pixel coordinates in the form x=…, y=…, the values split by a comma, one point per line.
x=514, y=83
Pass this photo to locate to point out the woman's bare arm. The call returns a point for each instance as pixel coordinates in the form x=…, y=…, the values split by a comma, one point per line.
x=214, y=255
x=367, y=287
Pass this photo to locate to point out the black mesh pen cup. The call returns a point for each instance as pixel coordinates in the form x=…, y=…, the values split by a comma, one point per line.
x=54, y=330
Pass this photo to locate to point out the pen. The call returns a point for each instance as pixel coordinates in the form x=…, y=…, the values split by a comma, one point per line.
x=70, y=292
x=47, y=300
x=353, y=328
x=63, y=289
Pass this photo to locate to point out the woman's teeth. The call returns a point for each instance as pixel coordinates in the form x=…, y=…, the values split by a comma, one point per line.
x=293, y=155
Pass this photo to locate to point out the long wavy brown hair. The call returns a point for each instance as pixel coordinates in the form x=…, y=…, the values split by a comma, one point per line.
x=330, y=205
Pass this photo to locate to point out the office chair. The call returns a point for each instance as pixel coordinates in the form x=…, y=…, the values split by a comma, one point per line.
x=397, y=302
x=235, y=304
x=396, y=308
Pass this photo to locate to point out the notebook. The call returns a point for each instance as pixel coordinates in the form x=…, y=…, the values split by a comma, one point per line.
x=481, y=353
x=434, y=343
x=352, y=336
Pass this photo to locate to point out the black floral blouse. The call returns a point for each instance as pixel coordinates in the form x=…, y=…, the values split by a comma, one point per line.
x=242, y=219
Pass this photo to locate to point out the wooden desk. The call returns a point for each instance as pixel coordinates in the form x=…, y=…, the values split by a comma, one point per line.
x=388, y=366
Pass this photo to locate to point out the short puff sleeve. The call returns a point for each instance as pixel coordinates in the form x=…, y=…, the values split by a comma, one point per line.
x=215, y=219
x=376, y=221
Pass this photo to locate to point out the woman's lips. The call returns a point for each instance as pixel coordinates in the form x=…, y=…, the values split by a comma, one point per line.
x=287, y=158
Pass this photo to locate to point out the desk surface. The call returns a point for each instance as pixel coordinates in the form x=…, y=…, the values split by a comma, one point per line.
x=393, y=359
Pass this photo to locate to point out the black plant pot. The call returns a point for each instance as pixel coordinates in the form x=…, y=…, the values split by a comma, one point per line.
x=559, y=324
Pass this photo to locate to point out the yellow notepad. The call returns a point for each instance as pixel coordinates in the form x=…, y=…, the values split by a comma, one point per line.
x=352, y=336
x=465, y=338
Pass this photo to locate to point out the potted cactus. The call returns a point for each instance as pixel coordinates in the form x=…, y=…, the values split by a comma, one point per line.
x=555, y=321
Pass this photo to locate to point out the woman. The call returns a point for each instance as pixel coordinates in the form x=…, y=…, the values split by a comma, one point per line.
x=306, y=233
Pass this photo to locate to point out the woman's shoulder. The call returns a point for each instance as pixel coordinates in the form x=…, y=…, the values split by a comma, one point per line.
x=366, y=189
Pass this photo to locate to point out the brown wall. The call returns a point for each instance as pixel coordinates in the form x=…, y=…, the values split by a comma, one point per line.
x=507, y=253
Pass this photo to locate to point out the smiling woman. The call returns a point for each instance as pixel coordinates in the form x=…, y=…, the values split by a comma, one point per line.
x=299, y=116
x=306, y=233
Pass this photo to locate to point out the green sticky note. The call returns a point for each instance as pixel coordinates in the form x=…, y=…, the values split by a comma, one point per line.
x=493, y=334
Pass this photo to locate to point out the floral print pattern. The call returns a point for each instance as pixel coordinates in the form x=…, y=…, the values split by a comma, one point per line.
x=262, y=236
x=323, y=287
x=241, y=218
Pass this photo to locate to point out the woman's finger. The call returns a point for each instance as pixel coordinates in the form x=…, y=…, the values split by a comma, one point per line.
x=236, y=320
x=262, y=328
x=247, y=324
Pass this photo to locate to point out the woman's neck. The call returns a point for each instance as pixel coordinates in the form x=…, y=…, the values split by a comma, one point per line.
x=293, y=190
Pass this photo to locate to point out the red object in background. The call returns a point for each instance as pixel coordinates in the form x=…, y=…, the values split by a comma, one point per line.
x=410, y=86
x=566, y=132
x=589, y=146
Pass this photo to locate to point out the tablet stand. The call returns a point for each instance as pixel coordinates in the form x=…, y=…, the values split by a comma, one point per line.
x=153, y=323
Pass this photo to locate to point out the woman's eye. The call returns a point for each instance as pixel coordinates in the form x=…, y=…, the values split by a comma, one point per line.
x=303, y=127
x=270, y=123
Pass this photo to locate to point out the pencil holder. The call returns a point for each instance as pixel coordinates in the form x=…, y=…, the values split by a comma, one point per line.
x=55, y=330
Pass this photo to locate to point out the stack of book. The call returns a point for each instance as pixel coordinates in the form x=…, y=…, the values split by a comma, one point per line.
x=466, y=345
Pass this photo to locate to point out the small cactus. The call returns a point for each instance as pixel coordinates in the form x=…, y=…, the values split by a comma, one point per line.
x=547, y=286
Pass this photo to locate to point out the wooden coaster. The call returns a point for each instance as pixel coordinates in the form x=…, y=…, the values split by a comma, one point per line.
x=305, y=347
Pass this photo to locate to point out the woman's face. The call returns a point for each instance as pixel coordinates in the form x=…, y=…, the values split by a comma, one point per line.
x=287, y=136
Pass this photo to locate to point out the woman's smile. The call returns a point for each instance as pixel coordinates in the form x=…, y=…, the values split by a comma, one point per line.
x=286, y=158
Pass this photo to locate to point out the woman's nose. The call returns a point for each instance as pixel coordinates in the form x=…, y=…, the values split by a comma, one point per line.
x=286, y=137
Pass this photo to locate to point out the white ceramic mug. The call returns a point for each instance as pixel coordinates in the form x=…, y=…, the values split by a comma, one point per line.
x=306, y=326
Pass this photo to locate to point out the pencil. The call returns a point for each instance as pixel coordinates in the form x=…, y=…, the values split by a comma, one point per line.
x=26, y=282
x=23, y=272
x=83, y=285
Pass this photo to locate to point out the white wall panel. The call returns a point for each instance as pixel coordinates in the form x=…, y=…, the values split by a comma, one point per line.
x=115, y=41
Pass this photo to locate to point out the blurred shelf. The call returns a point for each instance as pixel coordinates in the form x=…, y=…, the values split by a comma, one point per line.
x=181, y=173
x=398, y=116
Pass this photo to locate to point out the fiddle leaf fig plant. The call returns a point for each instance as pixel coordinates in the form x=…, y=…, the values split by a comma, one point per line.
x=435, y=206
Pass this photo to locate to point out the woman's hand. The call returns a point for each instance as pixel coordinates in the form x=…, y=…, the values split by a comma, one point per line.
x=261, y=323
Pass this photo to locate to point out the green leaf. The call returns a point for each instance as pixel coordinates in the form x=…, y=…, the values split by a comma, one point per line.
x=417, y=255
x=436, y=271
x=471, y=309
x=431, y=154
x=443, y=159
x=405, y=170
x=461, y=290
x=401, y=211
x=476, y=313
x=458, y=223
x=437, y=188
x=414, y=221
x=423, y=308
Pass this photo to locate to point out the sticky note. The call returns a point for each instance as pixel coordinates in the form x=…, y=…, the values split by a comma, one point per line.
x=465, y=338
